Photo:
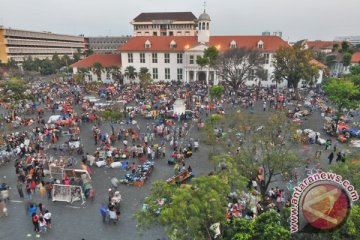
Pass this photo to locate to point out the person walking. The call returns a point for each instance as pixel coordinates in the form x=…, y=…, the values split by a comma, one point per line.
x=331, y=157
x=338, y=156
x=103, y=212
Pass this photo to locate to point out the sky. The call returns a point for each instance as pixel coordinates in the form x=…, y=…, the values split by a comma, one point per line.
x=297, y=19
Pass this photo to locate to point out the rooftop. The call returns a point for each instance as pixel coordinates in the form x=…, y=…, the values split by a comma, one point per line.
x=162, y=43
x=175, y=16
x=355, y=58
x=106, y=60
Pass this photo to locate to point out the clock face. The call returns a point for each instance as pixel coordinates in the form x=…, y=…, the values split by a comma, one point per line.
x=325, y=206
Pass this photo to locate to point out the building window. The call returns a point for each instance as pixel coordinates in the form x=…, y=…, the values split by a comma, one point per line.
x=142, y=57
x=260, y=44
x=233, y=44
x=130, y=58
x=167, y=73
x=252, y=75
x=266, y=74
x=172, y=44
x=155, y=33
x=191, y=59
x=154, y=58
x=155, y=74
x=179, y=58
x=167, y=57
x=179, y=74
x=147, y=43
x=267, y=58
x=90, y=77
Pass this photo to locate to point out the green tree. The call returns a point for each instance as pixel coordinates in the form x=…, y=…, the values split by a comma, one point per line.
x=144, y=77
x=341, y=92
x=344, y=46
x=355, y=70
x=47, y=67
x=208, y=59
x=269, y=147
x=293, y=64
x=57, y=61
x=216, y=91
x=15, y=88
x=116, y=74
x=238, y=65
x=267, y=226
x=28, y=64
x=187, y=212
x=77, y=55
x=130, y=73
x=12, y=64
x=347, y=59
x=97, y=69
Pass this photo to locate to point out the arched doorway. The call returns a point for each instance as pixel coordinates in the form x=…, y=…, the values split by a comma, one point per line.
x=202, y=77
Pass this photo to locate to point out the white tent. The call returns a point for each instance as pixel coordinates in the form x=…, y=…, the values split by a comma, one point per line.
x=179, y=107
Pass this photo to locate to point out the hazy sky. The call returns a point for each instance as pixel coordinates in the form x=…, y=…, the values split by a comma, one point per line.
x=297, y=19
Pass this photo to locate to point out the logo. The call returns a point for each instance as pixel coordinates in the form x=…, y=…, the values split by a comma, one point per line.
x=321, y=202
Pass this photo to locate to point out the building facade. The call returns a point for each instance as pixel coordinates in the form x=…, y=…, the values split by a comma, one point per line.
x=165, y=24
x=103, y=45
x=174, y=57
x=18, y=44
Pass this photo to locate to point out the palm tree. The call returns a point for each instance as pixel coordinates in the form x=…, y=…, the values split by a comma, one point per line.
x=130, y=72
x=83, y=72
x=144, y=77
x=116, y=74
x=97, y=69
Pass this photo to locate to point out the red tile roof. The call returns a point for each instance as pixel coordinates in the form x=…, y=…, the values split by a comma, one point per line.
x=162, y=43
x=106, y=60
x=317, y=63
x=355, y=58
x=176, y=16
x=319, y=45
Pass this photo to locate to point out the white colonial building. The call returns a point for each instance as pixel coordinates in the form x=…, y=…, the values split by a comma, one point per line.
x=170, y=56
x=174, y=57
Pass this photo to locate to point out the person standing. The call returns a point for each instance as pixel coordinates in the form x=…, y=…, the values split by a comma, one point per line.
x=47, y=217
x=35, y=221
x=264, y=106
x=331, y=157
x=20, y=189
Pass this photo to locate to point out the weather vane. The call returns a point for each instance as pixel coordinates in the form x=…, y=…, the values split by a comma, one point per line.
x=204, y=6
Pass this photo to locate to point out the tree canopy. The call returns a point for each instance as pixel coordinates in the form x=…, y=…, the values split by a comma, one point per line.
x=144, y=77
x=238, y=65
x=187, y=212
x=293, y=64
x=342, y=93
x=130, y=72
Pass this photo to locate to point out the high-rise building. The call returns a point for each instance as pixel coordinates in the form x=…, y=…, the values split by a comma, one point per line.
x=18, y=44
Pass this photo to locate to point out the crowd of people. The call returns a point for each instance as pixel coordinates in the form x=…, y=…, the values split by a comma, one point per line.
x=151, y=129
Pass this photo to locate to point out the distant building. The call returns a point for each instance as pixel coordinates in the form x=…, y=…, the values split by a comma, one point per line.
x=353, y=40
x=355, y=59
x=268, y=33
x=18, y=44
x=106, y=44
x=165, y=24
x=321, y=46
